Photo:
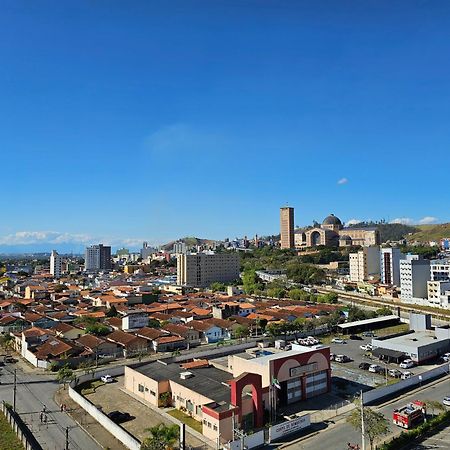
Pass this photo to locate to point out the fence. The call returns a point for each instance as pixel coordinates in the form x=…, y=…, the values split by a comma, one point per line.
x=417, y=380
x=23, y=432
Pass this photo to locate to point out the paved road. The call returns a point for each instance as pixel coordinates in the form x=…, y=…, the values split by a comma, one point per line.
x=33, y=392
x=440, y=440
x=336, y=436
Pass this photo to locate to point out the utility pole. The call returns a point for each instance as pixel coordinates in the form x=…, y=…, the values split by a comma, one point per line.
x=67, y=439
x=363, y=432
x=15, y=390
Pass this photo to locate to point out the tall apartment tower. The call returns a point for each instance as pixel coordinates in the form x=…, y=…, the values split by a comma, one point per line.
x=55, y=264
x=414, y=275
x=390, y=265
x=97, y=257
x=287, y=227
x=365, y=264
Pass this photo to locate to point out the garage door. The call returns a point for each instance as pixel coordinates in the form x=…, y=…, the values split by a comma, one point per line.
x=294, y=390
x=316, y=383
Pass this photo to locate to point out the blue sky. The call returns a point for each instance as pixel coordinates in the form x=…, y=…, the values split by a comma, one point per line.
x=123, y=121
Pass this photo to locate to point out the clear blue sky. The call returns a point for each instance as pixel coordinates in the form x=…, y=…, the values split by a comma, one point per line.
x=154, y=119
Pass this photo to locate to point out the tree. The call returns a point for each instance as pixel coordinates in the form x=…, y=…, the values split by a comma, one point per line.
x=59, y=288
x=276, y=292
x=65, y=375
x=384, y=311
x=375, y=424
x=153, y=323
x=435, y=405
x=216, y=286
x=241, y=332
x=87, y=367
x=162, y=437
x=98, y=329
x=274, y=329
x=251, y=282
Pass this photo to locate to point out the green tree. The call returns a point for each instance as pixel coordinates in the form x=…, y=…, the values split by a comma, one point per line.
x=384, y=311
x=251, y=282
x=98, y=329
x=65, y=375
x=216, y=286
x=274, y=329
x=276, y=292
x=298, y=294
x=434, y=405
x=161, y=437
x=375, y=424
x=242, y=332
x=153, y=323
x=87, y=367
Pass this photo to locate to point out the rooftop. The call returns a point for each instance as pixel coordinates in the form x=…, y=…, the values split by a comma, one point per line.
x=359, y=323
x=415, y=339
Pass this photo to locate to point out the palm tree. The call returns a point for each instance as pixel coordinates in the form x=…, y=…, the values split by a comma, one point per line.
x=162, y=437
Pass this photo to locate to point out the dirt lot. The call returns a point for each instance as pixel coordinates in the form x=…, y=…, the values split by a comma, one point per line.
x=110, y=397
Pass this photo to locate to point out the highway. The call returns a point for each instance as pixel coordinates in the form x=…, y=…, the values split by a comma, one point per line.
x=337, y=435
x=33, y=392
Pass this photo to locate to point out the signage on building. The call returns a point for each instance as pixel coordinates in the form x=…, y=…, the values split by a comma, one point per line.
x=300, y=370
x=289, y=427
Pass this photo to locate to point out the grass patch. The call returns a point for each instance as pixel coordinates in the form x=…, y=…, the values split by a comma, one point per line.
x=8, y=439
x=91, y=386
x=188, y=420
x=400, y=328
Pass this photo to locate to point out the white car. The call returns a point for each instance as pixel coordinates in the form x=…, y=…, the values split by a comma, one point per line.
x=446, y=401
x=406, y=375
x=374, y=368
x=107, y=379
x=366, y=347
x=446, y=357
x=407, y=364
x=338, y=341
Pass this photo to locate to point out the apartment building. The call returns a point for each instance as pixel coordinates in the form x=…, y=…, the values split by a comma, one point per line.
x=365, y=264
x=202, y=269
x=390, y=265
x=97, y=257
x=439, y=285
x=55, y=264
x=414, y=275
x=287, y=227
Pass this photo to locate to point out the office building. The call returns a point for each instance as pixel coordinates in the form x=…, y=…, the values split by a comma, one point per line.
x=179, y=248
x=97, y=257
x=365, y=264
x=202, y=269
x=55, y=264
x=287, y=227
x=147, y=251
x=390, y=265
x=440, y=270
x=414, y=275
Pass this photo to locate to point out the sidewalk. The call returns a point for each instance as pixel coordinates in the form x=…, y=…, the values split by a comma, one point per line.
x=99, y=434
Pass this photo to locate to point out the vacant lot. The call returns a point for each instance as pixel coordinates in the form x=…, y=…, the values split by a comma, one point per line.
x=8, y=439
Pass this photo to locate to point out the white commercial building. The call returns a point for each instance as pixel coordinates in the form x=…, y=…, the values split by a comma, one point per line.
x=97, y=257
x=439, y=284
x=365, y=264
x=179, y=248
x=202, y=269
x=414, y=275
x=390, y=265
x=55, y=264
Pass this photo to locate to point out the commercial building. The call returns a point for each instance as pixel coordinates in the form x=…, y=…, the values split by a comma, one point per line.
x=439, y=294
x=365, y=264
x=414, y=275
x=55, y=264
x=97, y=257
x=202, y=269
x=390, y=265
x=252, y=382
x=179, y=247
x=287, y=227
x=147, y=251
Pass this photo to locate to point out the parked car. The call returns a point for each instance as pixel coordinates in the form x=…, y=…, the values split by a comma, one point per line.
x=107, y=379
x=117, y=416
x=355, y=337
x=446, y=401
x=364, y=366
x=407, y=364
x=366, y=347
x=446, y=357
x=338, y=341
x=395, y=373
x=332, y=356
x=312, y=340
x=375, y=368
x=406, y=375
x=10, y=359
x=342, y=358
x=369, y=334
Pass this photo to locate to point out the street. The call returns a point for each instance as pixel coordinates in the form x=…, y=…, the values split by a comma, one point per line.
x=33, y=392
x=336, y=436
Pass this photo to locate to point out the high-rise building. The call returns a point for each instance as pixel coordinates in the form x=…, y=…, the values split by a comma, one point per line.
x=202, y=269
x=97, y=257
x=147, y=251
x=365, y=264
x=55, y=264
x=287, y=227
x=179, y=247
x=390, y=265
x=414, y=275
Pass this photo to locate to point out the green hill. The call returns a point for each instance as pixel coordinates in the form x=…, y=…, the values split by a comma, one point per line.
x=426, y=233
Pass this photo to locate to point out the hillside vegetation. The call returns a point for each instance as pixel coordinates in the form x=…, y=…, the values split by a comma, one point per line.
x=426, y=233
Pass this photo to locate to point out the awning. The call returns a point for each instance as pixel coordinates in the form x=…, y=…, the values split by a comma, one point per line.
x=394, y=354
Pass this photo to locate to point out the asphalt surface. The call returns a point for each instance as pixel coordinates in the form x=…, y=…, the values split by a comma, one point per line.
x=33, y=392
x=336, y=436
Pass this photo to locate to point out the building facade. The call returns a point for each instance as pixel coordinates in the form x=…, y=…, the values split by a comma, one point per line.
x=97, y=257
x=202, y=269
x=287, y=227
x=55, y=264
x=365, y=264
x=390, y=266
x=414, y=275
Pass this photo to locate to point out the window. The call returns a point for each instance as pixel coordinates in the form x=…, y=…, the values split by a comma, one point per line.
x=215, y=428
x=209, y=424
x=153, y=393
x=140, y=388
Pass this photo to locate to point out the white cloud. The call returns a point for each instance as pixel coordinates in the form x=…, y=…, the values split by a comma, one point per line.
x=56, y=237
x=427, y=220
x=403, y=221
x=353, y=221
x=343, y=181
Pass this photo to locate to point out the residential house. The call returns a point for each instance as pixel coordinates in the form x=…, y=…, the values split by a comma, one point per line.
x=130, y=343
x=208, y=332
x=169, y=343
x=66, y=331
x=192, y=336
x=97, y=346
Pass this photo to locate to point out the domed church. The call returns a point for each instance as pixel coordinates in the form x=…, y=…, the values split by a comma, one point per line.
x=333, y=234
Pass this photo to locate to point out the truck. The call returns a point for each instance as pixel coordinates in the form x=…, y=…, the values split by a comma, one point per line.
x=410, y=415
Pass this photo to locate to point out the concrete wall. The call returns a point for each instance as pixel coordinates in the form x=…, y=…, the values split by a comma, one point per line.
x=250, y=441
x=417, y=380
